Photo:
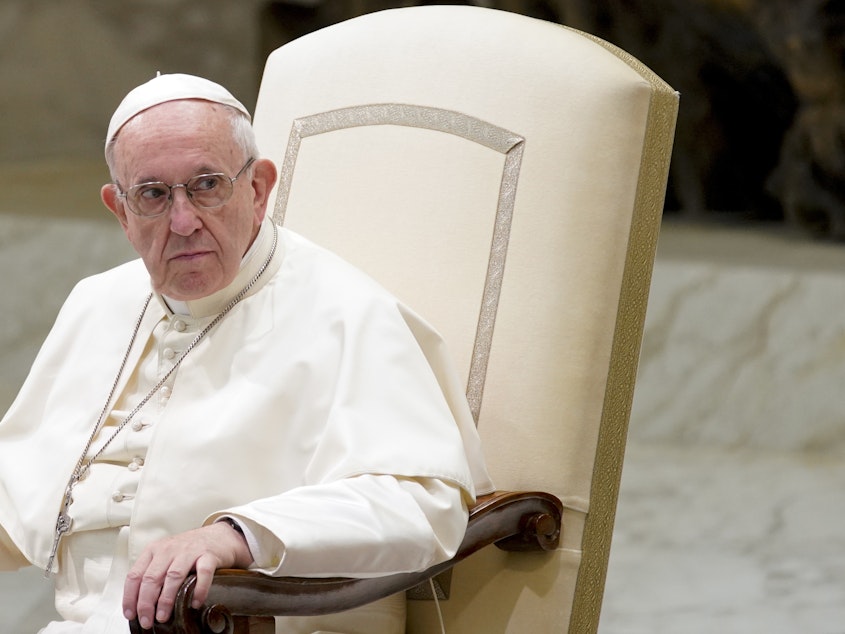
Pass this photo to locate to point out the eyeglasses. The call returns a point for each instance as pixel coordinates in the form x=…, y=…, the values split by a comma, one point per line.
x=205, y=191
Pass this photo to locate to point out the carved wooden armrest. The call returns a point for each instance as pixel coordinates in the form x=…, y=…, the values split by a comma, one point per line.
x=241, y=601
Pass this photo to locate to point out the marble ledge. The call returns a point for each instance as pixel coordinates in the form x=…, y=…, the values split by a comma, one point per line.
x=744, y=342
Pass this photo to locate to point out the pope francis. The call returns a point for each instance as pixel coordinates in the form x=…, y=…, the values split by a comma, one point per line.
x=237, y=397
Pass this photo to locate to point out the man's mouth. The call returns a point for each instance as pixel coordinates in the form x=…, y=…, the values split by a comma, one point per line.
x=189, y=255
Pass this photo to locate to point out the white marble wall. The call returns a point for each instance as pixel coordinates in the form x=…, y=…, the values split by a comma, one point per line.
x=744, y=343
x=733, y=490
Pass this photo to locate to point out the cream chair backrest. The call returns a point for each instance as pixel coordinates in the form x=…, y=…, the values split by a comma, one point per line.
x=505, y=177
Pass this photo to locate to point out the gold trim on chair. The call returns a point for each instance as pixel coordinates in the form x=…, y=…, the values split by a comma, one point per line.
x=627, y=339
x=450, y=122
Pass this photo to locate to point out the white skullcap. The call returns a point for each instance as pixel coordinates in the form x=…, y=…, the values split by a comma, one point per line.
x=163, y=88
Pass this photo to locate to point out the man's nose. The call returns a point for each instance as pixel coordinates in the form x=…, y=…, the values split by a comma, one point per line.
x=184, y=216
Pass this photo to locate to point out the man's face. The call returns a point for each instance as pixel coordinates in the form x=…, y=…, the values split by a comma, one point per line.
x=189, y=252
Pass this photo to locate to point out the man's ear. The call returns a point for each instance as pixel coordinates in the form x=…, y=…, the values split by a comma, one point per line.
x=264, y=176
x=108, y=193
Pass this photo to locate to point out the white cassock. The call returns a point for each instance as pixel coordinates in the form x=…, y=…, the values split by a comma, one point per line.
x=321, y=413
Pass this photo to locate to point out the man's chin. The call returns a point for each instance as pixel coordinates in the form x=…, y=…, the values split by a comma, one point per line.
x=191, y=287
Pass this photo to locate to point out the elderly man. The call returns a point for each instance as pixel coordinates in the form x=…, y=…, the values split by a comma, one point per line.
x=239, y=397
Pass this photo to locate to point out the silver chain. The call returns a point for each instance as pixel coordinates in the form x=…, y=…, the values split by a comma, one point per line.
x=64, y=521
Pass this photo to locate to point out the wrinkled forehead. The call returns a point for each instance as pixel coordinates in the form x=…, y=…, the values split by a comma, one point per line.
x=193, y=133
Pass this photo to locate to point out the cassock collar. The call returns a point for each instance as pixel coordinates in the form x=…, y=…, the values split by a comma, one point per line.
x=253, y=260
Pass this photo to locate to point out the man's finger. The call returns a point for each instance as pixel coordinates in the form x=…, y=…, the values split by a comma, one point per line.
x=205, y=568
x=173, y=579
x=132, y=586
x=150, y=589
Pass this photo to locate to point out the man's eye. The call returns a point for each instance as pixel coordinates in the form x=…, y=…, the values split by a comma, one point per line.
x=152, y=192
x=205, y=183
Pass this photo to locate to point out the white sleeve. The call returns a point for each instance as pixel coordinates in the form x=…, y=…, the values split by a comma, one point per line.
x=365, y=526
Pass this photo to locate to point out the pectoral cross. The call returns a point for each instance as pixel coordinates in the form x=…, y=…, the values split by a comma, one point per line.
x=63, y=525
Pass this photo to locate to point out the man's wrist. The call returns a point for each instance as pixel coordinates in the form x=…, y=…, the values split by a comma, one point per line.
x=245, y=559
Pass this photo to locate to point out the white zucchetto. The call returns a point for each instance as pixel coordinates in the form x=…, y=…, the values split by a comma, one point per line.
x=172, y=87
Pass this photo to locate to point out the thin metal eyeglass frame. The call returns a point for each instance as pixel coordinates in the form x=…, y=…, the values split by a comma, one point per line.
x=188, y=193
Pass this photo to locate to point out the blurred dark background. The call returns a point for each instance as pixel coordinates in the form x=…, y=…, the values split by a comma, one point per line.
x=761, y=128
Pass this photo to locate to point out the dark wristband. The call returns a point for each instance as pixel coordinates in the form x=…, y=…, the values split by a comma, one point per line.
x=235, y=526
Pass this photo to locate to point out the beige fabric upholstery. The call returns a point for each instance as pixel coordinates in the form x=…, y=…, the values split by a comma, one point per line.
x=412, y=140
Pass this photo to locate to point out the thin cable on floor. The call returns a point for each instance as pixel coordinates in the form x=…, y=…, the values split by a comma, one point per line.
x=437, y=605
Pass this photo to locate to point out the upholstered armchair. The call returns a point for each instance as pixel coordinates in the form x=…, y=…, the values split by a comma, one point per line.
x=505, y=177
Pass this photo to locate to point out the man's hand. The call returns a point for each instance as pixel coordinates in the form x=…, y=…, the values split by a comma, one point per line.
x=153, y=582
